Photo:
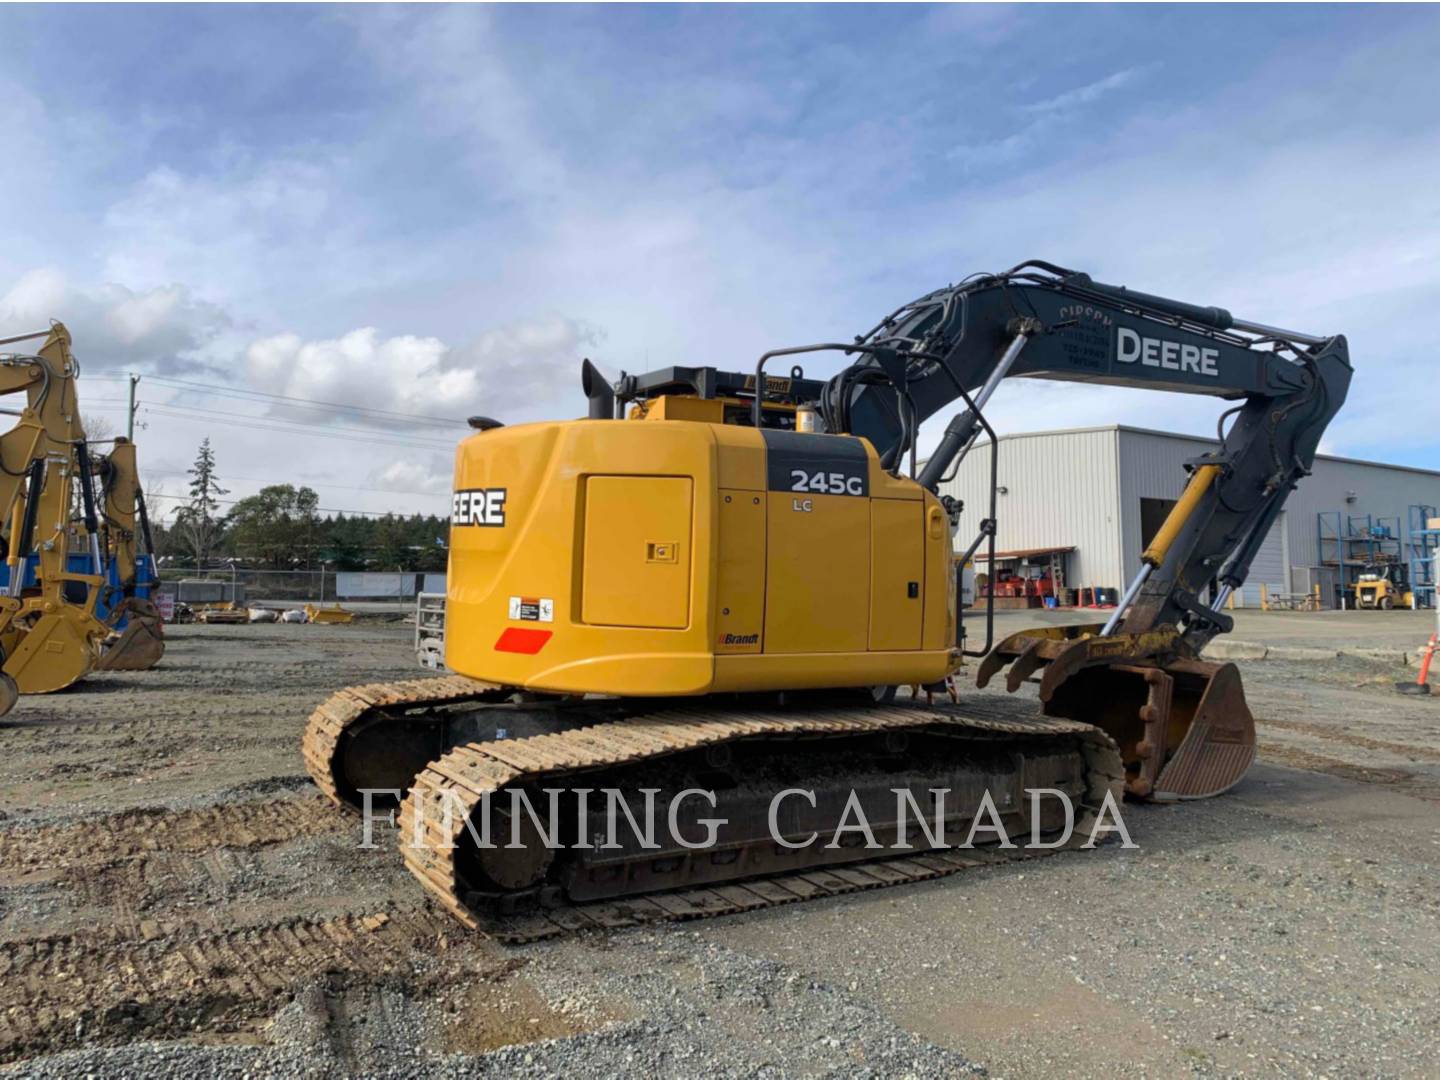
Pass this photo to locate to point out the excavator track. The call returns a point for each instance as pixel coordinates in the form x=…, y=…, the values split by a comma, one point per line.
x=462, y=778
x=348, y=709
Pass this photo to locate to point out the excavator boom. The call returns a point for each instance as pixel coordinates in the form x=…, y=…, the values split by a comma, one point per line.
x=138, y=639
x=1182, y=724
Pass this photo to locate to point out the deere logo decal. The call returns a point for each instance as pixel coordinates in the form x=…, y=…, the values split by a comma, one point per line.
x=1130, y=347
x=478, y=506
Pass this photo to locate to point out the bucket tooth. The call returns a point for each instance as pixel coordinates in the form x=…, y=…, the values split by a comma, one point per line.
x=1025, y=664
x=1009, y=649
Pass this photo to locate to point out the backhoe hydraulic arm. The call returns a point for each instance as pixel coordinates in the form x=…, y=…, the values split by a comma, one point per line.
x=1044, y=322
x=1182, y=723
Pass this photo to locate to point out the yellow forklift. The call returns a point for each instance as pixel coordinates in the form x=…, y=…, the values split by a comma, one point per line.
x=1384, y=585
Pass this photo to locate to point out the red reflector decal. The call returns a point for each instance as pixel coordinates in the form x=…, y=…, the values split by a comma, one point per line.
x=519, y=640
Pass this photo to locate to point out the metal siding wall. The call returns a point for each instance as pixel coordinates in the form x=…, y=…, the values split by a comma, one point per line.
x=1152, y=467
x=1084, y=488
x=1062, y=490
x=1380, y=491
x=1269, y=567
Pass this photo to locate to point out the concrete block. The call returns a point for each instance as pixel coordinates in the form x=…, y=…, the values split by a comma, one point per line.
x=1226, y=649
x=1301, y=652
x=1383, y=656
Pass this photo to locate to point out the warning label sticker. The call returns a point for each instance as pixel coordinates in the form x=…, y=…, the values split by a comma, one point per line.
x=532, y=609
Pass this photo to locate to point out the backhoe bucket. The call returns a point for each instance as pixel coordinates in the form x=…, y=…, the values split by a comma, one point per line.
x=56, y=651
x=1183, y=727
x=140, y=645
x=335, y=614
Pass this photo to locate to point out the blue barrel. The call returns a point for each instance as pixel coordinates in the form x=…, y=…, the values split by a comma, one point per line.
x=147, y=581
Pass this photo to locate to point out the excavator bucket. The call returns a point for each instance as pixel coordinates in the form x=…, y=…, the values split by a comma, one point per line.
x=335, y=614
x=1183, y=726
x=140, y=645
x=55, y=652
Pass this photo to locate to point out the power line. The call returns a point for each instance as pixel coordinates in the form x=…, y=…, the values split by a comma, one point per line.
x=240, y=391
x=349, y=434
x=309, y=483
x=321, y=509
x=345, y=431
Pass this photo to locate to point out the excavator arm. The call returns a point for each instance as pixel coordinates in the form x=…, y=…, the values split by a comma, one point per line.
x=1182, y=724
x=138, y=642
x=49, y=640
x=1044, y=322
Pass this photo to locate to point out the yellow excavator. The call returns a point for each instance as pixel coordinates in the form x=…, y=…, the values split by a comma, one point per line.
x=716, y=581
x=137, y=638
x=49, y=636
x=109, y=549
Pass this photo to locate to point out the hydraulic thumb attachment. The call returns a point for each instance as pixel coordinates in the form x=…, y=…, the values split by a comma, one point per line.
x=1182, y=724
x=1183, y=727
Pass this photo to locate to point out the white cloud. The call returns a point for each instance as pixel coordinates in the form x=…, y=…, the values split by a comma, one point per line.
x=977, y=24
x=162, y=329
x=413, y=477
x=516, y=369
x=235, y=234
x=1043, y=120
x=1084, y=95
x=460, y=70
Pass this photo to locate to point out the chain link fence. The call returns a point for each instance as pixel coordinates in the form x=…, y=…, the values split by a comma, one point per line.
x=271, y=588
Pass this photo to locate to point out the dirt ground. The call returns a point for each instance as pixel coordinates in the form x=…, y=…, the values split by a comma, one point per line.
x=175, y=898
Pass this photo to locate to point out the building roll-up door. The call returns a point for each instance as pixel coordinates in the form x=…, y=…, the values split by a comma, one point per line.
x=1269, y=568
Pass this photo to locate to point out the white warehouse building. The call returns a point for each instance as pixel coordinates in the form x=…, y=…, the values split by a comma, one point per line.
x=1086, y=500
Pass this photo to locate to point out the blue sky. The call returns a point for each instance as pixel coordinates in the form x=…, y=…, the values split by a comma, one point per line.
x=440, y=210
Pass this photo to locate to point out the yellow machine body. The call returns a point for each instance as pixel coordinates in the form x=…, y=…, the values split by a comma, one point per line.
x=332, y=614
x=660, y=556
x=1382, y=593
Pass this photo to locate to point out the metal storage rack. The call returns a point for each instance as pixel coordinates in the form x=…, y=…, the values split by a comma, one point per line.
x=1421, y=543
x=1349, y=542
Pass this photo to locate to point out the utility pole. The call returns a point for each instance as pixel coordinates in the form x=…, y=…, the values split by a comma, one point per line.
x=130, y=427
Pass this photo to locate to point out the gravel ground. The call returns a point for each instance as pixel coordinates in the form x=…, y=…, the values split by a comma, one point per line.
x=1289, y=928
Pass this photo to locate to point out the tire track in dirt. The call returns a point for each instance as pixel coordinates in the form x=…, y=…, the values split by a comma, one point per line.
x=1363, y=742
x=1297, y=758
x=130, y=834
x=104, y=987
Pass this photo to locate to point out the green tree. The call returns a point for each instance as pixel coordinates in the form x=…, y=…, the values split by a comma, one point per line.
x=343, y=542
x=391, y=550
x=196, y=524
x=427, y=540
x=276, y=527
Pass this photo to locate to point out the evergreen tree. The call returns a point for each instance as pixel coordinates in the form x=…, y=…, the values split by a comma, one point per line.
x=391, y=546
x=196, y=523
